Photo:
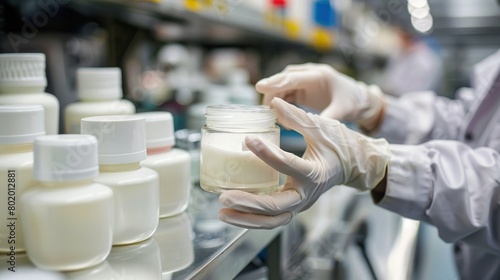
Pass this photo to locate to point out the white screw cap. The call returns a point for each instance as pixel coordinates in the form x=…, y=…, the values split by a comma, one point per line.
x=22, y=70
x=65, y=158
x=99, y=83
x=122, y=139
x=21, y=124
x=159, y=129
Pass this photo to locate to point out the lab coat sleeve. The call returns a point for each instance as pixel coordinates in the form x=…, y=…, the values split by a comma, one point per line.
x=450, y=185
x=422, y=116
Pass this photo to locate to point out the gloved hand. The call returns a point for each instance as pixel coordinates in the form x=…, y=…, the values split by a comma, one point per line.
x=335, y=155
x=320, y=87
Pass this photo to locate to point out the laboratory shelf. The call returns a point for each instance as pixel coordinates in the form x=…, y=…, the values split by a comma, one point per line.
x=221, y=23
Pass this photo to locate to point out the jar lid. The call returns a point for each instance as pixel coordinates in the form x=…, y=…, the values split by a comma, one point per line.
x=159, y=129
x=22, y=70
x=122, y=138
x=99, y=83
x=65, y=157
x=240, y=117
x=21, y=124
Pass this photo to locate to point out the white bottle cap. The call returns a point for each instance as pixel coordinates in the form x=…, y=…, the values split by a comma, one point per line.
x=122, y=139
x=22, y=70
x=99, y=83
x=21, y=124
x=159, y=129
x=65, y=158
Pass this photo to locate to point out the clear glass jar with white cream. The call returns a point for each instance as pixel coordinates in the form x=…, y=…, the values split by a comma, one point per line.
x=226, y=162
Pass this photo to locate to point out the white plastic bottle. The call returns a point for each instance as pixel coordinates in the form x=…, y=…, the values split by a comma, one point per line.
x=173, y=165
x=100, y=93
x=19, y=125
x=23, y=81
x=67, y=218
x=122, y=146
x=241, y=92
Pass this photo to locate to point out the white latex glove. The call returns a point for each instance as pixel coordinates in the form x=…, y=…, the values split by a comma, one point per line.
x=335, y=155
x=320, y=87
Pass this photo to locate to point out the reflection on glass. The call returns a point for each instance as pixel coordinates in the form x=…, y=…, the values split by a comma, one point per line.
x=24, y=269
x=101, y=271
x=174, y=237
x=136, y=261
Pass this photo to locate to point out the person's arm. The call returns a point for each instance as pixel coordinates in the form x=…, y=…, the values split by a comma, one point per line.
x=447, y=184
x=423, y=116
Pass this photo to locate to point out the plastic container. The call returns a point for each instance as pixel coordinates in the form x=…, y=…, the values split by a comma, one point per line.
x=226, y=163
x=122, y=146
x=173, y=165
x=19, y=126
x=100, y=93
x=23, y=81
x=67, y=218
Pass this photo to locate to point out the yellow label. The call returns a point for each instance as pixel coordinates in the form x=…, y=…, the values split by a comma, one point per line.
x=193, y=5
x=322, y=39
x=292, y=29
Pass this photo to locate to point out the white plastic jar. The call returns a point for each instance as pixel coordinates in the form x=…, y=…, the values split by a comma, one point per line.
x=23, y=81
x=19, y=126
x=100, y=93
x=122, y=146
x=67, y=218
x=226, y=163
x=173, y=165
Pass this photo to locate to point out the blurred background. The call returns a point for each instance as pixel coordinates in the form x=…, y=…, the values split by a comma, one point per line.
x=180, y=55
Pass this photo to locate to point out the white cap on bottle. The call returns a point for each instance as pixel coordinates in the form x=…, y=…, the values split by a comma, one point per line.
x=21, y=124
x=65, y=158
x=99, y=83
x=22, y=70
x=159, y=129
x=122, y=139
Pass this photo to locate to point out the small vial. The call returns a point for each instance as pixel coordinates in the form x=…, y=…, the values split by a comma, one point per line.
x=226, y=163
x=19, y=126
x=173, y=165
x=100, y=93
x=122, y=146
x=23, y=81
x=67, y=218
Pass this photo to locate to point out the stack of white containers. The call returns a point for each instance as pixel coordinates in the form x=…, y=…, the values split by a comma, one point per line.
x=69, y=198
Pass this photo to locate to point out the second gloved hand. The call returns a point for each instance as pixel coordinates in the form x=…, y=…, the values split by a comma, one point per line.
x=335, y=155
x=320, y=87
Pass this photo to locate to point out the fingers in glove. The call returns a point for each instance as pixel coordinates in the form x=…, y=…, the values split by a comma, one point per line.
x=288, y=81
x=295, y=118
x=284, y=162
x=289, y=96
x=273, y=204
x=253, y=221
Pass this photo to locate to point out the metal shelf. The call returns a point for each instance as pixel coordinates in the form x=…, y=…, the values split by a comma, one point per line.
x=235, y=24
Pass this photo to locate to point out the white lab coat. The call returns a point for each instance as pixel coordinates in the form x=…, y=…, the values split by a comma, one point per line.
x=452, y=180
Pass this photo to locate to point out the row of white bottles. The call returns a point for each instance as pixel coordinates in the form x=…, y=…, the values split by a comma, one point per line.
x=72, y=208
x=23, y=81
x=124, y=201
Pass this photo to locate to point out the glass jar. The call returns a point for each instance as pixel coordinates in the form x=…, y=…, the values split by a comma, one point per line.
x=226, y=162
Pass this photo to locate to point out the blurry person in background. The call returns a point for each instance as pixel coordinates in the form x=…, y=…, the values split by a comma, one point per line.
x=416, y=67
